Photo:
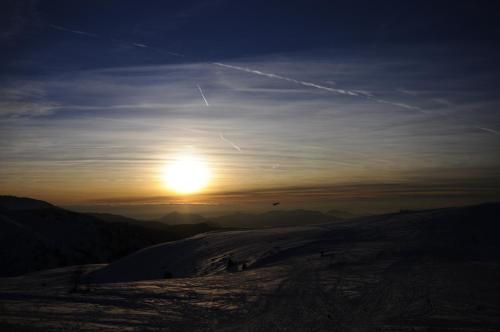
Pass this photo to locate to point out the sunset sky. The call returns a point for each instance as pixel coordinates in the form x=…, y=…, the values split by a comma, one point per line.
x=314, y=104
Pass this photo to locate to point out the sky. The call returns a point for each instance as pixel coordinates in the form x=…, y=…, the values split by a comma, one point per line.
x=316, y=104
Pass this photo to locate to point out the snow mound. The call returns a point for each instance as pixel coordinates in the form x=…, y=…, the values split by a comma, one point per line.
x=208, y=253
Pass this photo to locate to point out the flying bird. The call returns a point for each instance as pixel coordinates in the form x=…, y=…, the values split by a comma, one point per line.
x=276, y=203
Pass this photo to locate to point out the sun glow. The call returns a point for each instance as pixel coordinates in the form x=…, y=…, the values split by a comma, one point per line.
x=186, y=175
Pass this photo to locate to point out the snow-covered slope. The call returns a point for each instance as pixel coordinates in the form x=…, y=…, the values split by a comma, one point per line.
x=442, y=232
x=435, y=270
x=209, y=253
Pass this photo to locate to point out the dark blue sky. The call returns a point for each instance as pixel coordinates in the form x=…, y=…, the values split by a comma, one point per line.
x=217, y=30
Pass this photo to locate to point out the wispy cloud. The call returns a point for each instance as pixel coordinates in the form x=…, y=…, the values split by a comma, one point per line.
x=115, y=128
x=394, y=190
x=25, y=99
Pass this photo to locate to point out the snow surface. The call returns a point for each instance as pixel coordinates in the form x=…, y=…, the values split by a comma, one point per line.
x=207, y=254
x=401, y=272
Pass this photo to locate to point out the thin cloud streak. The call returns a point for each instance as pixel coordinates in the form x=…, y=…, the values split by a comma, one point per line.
x=78, y=32
x=229, y=142
x=429, y=188
x=140, y=45
x=94, y=35
x=489, y=130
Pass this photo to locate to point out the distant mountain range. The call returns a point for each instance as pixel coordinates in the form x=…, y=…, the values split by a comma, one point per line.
x=276, y=218
x=176, y=218
x=36, y=235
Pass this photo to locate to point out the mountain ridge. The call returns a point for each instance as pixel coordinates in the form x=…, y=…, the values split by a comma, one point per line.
x=36, y=235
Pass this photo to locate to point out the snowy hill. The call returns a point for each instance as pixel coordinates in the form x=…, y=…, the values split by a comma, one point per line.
x=448, y=232
x=206, y=254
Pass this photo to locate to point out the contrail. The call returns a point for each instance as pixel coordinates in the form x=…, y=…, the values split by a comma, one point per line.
x=203, y=95
x=58, y=27
x=261, y=73
x=169, y=53
x=156, y=50
x=318, y=86
x=257, y=72
x=355, y=93
x=493, y=131
x=94, y=35
x=403, y=105
x=228, y=141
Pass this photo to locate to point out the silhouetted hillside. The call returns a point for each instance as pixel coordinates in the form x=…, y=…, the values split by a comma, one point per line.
x=113, y=217
x=22, y=203
x=36, y=235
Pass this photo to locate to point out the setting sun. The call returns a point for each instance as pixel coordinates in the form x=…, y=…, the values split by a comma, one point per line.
x=186, y=175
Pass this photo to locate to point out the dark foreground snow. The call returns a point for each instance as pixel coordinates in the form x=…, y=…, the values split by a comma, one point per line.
x=419, y=271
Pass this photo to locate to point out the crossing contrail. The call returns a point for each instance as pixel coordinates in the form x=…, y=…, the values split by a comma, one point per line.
x=229, y=142
x=202, y=95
